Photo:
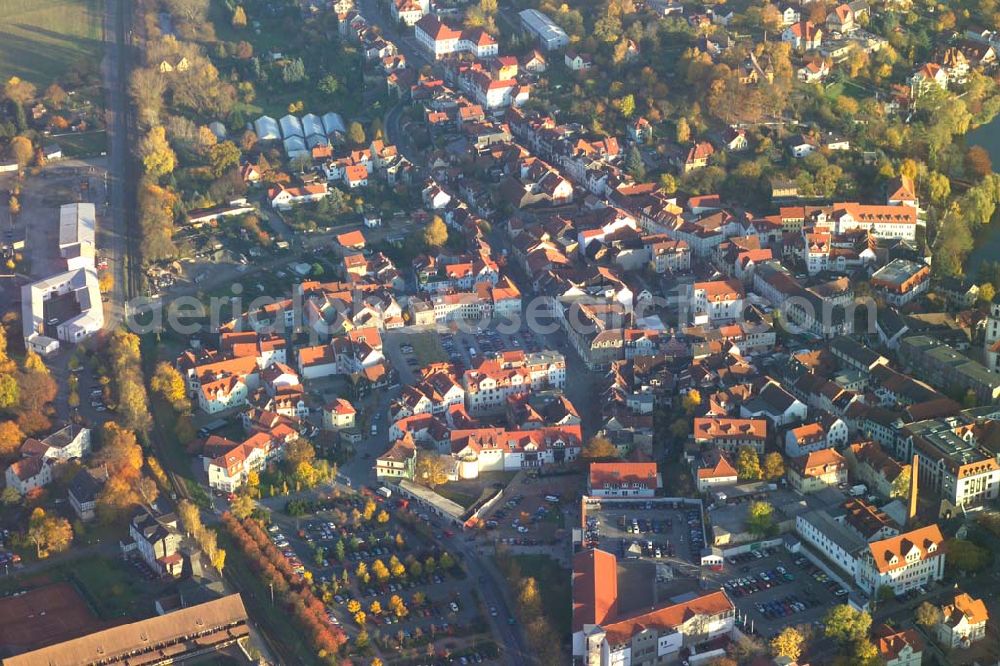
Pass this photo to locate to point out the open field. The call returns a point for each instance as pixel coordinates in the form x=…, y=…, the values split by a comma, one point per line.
x=554, y=585
x=44, y=615
x=41, y=39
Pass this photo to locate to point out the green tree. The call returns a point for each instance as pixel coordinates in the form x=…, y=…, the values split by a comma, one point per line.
x=21, y=150
x=760, y=518
x=634, y=164
x=668, y=183
x=966, y=556
x=987, y=292
x=846, y=624
x=901, y=485
x=748, y=464
x=10, y=497
x=774, y=466
x=242, y=506
x=223, y=156
x=627, y=105
x=329, y=85
x=10, y=391
x=938, y=187
x=169, y=383
x=19, y=91
x=683, y=131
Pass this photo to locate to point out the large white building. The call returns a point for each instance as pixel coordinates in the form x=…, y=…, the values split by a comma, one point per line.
x=718, y=301
x=903, y=562
x=77, y=224
x=488, y=386
x=440, y=40
x=549, y=35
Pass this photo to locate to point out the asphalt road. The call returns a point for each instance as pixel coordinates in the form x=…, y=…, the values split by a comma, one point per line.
x=120, y=214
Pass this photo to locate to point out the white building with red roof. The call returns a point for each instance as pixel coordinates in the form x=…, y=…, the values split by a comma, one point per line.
x=339, y=414
x=716, y=470
x=228, y=463
x=603, y=635
x=718, y=301
x=440, y=40
x=803, y=35
x=903, y=562
x=409, y=12
x=963, y=621
x=623, y=479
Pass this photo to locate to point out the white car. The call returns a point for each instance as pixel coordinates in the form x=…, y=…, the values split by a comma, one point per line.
x=453, y=606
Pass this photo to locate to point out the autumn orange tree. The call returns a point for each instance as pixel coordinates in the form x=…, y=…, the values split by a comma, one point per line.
x=11, y=438
x=293, y=592
x=167, y=381
x=50, y=534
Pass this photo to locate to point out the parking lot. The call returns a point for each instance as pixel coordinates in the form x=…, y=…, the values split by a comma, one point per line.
x=333, y=550
x=64, y=182
x=775, y=588
x=665, y=532
x=411, y=348
x=468, y=348
x=526, y=517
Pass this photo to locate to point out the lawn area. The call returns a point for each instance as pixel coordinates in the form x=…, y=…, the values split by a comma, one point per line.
x=554, y=586
x=427, y=347
x=85, y=144
x=110, y=587
x=41, y=39
x=457, y=496
x=835, y=90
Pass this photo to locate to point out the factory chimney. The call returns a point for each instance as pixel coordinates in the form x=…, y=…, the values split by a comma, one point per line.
x=914, y=473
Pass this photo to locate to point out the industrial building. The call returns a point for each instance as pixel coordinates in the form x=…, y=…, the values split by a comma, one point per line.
x=549, y=35
x=77, y=225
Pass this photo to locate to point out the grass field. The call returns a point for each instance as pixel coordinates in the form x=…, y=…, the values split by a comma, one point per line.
x=87, y=144
x=41, y=39
x=111, y=588
x=554, y=585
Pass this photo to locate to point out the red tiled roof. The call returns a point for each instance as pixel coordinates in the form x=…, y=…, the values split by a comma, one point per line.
x=352, y=239
x=595, y=587
x=618, y=474
x=708, y=428
x=898, y=546
x=964, y=606
x=816, y=462
x=891, y=643
x=668, y=617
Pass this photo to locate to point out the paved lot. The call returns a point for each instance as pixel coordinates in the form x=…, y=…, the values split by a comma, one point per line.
x=305, y=535
x=667, y=529
x=410, y=348
x=772, y=605
x=526, y=516
x=59, y=183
